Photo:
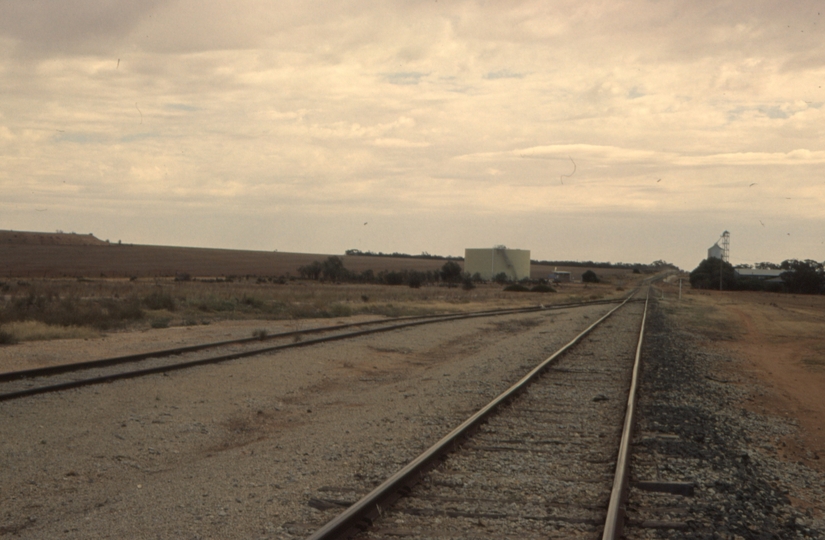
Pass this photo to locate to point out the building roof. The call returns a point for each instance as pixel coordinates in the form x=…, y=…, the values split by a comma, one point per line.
x=756, y=272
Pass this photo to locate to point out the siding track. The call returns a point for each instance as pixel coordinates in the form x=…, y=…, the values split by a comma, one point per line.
x=19, y=384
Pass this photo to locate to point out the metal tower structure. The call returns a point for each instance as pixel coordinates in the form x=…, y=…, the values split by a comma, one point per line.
x=726, y=246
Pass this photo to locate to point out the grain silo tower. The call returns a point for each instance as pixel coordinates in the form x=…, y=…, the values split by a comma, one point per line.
x=489, y=262
x=721, y=252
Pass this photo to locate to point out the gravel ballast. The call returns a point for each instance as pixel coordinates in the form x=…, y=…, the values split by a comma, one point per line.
x=237, y=450
x=695, y=429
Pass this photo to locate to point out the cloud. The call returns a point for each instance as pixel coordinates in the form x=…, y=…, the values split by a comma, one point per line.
x=469, y=109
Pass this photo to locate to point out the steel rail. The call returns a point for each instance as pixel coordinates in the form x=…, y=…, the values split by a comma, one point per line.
x=616, y=507
x=234, y=356
x=360, y=515
x=105, y=362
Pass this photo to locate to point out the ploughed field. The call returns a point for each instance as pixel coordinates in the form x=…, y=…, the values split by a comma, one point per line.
x=26, y=254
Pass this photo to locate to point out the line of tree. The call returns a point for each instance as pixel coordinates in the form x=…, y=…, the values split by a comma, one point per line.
x=395, y=254
x=655, y=266
x=798, y=277
x=332, y=269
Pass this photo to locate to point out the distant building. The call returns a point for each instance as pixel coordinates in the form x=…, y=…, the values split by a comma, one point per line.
x=756, y=273
x=489, y=262
x=560, y=276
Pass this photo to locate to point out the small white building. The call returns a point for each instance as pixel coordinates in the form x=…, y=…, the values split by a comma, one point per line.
x=560, y=276
x=489, y=262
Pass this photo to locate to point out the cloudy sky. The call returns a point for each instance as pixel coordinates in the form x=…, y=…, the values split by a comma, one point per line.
x=591, y=130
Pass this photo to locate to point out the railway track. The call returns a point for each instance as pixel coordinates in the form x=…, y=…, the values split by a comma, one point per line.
x=545, y=459
x=19, y=384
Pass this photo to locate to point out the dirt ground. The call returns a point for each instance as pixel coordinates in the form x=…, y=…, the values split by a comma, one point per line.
x=779, y=340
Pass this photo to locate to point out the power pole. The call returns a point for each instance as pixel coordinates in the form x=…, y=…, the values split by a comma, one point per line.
x=725, y=255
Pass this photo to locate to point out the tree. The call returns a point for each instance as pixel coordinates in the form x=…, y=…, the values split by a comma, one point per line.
x=451, y=272
x=803, y=277
x=333, y=269
x=311, y=271
x=706, y=275
x=590, y=277
x=767, y=266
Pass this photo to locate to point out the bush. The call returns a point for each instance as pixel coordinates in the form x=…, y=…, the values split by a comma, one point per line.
x=590, y=277
x=515, y=287
x=501, y=278
x=394, y=278
x=161, y=322
x=159, y=300
x=543, y=289
x=7, y=338
x=468, y=284
x=260, y=333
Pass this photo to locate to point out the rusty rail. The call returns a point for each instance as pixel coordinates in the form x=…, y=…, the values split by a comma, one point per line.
x=360, y=515
x=618, y=496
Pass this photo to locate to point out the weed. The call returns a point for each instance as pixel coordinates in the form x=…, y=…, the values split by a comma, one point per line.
x=260, y=333
x=159, y=299
x=38, y=331
x=160, y=322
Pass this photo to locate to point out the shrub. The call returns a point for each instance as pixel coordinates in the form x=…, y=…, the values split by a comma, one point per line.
x=468, y=284
x=515, y=287
x=161, y=322
x=415, y=281
x=394, y=278
x=7, y=338
x=543, y=289
x=260, y=333
x=501, y=278
x=159, y=299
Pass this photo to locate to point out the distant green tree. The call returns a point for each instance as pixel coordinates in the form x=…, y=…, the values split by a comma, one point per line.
x=451, y=272
x=311, y=271
x=803, y=277
x=333, y=269
x=706, y=275
x=590, y=277
x=767, y=266
x=501, y=278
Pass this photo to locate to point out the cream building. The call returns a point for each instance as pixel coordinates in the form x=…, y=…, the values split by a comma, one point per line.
x=489, y=262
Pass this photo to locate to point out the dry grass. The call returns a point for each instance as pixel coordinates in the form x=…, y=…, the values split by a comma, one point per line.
x=66, y=307
x=95, y=305
x=38, y=331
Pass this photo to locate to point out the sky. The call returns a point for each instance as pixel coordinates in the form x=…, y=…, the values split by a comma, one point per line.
x=622, y=131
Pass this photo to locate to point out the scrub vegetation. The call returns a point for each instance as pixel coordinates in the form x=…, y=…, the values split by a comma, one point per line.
x=36, y=309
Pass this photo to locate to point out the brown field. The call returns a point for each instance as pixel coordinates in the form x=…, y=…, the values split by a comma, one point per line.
x=67, y=286
x=779, y=340
x=54, y=255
